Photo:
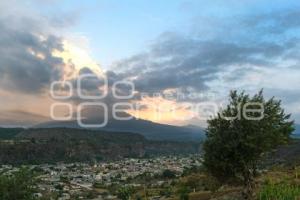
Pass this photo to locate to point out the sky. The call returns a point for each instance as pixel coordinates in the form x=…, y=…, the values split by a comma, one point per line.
x=205, y=48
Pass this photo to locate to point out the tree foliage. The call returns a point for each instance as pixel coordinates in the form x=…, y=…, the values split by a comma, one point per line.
x=18, y=185
x=125, y=193
x=169, y=174
x=235, y=144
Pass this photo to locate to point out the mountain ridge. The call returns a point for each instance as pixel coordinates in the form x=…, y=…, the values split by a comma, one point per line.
x=149, y=129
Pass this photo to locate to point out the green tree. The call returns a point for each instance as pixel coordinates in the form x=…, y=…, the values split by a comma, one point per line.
x=183, y=193
x=18, y=185
x=168, y=174
x=125, y=193
x=240, y=134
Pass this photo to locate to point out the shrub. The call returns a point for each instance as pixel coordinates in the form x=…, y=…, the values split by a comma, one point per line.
x=168, y=174
x=19, y=185
x=281, y=191
x=125, y=193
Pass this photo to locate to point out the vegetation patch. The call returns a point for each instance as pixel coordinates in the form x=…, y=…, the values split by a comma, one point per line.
x=279, y=191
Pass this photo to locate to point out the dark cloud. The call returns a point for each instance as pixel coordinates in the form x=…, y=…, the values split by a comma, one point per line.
x=26, y=61
x=176, y=61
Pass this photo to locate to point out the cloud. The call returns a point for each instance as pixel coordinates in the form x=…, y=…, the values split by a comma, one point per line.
x=274, y=22
x=251, y=52
x=27, y=43
x=248, y=51
x=176, y=61
x=26, y=61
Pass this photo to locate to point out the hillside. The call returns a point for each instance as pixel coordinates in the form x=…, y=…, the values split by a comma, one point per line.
x=287, y=154
x=52, y=145
x=9, y=133
x=71, y=145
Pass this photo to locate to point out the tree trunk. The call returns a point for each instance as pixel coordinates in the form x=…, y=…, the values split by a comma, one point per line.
x=248, y=184
x=255, y=173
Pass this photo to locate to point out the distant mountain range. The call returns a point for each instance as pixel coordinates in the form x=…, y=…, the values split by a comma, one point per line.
x=150, y=130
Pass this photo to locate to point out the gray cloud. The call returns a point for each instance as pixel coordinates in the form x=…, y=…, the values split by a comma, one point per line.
x=27, y=40
x=186, y=62
x=274, y=22
x=26, y=61
x=191, y=62
x=176, y=61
